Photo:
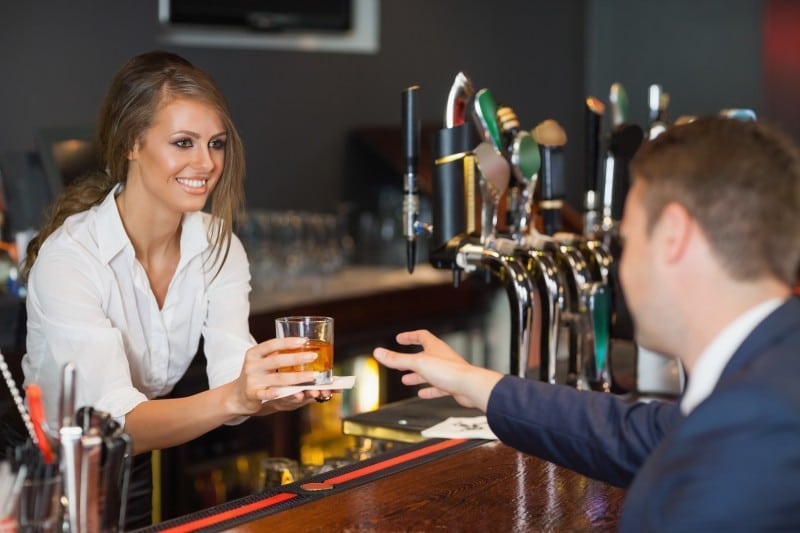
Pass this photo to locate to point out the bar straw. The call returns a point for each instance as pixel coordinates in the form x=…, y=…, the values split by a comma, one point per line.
x=17, y=397
x=36, y=409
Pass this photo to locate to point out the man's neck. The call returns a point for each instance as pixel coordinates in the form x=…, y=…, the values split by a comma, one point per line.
x=728, y=302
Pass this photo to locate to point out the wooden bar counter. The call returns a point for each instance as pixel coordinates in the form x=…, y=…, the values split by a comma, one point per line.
x=486, y=486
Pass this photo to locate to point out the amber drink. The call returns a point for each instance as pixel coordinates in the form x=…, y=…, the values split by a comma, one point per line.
x=319, y=332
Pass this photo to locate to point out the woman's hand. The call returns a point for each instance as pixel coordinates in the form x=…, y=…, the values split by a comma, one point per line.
x=260, y=376
x=289, y=403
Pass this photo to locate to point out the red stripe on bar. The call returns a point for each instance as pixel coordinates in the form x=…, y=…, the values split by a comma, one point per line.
x=233, y=513
x=388, y=463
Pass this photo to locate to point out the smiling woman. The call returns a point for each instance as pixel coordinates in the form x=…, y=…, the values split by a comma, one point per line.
x=149, y=273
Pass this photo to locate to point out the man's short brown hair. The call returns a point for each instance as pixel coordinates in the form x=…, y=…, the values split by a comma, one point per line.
x=740, y=181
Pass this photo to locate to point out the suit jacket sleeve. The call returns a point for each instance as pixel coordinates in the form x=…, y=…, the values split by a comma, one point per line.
x=597, y=434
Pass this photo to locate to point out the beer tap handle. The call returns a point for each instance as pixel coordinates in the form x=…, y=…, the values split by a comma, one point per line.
x=624, y=143
x=551, y=138
x=411, y=133
x=525, y=163
x=738, y=114
x=618, y=98
x=658, y=101
x=485, y=115
x=509, y=127
x=457, y=100
x=594, y=118
x=494, y=177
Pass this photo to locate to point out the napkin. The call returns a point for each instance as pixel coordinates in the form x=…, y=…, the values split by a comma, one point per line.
x=460, y=427
x=338, y=383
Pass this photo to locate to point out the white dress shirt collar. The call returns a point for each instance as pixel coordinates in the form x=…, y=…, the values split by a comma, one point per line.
x=718, y=353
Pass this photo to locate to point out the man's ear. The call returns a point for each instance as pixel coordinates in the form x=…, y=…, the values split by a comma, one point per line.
x=674, y=231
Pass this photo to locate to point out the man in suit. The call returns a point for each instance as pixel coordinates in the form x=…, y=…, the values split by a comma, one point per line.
x=711, y=234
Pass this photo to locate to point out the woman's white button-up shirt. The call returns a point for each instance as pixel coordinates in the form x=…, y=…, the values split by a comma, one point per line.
x=89, y=301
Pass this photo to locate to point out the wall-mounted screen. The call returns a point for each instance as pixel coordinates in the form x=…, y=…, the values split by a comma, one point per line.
x=304, y=25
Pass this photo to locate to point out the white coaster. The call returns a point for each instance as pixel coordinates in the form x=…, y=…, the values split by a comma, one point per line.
x=338, y=383
x=469, y=427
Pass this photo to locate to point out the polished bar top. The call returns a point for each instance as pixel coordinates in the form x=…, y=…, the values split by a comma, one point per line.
x=439, y=484
x=490, y=487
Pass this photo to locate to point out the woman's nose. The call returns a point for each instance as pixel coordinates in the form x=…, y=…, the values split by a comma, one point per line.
x=203, y=160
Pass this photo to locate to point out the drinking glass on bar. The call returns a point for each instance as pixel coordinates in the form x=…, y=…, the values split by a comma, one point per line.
x=277, y=471
x=319, y=332
x=40, y=505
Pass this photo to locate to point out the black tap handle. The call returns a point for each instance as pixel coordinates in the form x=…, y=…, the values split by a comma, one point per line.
x=594, y=119
x=411, y=132
x=625, y=141
x=553, y=187
x=411, y=129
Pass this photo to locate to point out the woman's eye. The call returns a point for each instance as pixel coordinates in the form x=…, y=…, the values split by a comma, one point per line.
x=183, y=143
x=217, y=144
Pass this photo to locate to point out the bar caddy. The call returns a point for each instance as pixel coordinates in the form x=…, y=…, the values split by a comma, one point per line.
x=77, y=474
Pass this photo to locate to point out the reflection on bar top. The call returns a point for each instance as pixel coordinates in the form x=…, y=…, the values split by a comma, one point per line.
x=353, y=281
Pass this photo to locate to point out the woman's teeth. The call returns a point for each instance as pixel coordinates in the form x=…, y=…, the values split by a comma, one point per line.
x=195, y=184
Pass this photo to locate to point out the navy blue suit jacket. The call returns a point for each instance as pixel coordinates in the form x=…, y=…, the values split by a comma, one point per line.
x=733, y=464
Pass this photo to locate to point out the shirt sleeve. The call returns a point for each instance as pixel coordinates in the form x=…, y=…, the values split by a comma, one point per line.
x=226, y=332
x=74, y=327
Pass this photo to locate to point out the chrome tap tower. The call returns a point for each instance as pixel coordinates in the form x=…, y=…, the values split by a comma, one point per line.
x=559, y=285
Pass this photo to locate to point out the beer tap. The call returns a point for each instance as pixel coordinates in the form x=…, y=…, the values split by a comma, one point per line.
x=485, y=114
x=592, y=242
x=411, y=131
x=594, y=118
x=551, y=138
x=523, y=153
x=739, y=114
x=454, y=186
x=454, y=242
x=658, y=101
x=496, y=255
x=499, y=258
x=618, y=98
x=568, y=257
x=494, y=178
x=623, y=144
x=461, y=91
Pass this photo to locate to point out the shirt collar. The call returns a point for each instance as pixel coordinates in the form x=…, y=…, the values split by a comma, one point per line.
x=111, y=235
x=194, y=236
x=719, y=352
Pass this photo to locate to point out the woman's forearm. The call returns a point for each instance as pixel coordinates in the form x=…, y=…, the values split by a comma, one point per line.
x=157, y=424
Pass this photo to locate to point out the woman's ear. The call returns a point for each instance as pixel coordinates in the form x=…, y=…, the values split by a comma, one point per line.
x=134, y=151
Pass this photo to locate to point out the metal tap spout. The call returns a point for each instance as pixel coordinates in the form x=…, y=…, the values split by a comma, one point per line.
x=549, y=289
x=577, y=278
x=512, y=274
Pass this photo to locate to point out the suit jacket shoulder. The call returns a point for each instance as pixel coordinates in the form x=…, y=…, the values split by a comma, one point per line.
x=734, y=462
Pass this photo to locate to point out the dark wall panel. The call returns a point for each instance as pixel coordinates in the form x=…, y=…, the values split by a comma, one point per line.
x=294, y=109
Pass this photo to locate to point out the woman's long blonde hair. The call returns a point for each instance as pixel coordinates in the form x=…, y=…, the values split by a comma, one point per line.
x=145, y=83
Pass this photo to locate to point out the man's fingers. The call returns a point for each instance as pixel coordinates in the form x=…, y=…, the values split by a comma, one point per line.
x=399, y=361
x=422, y=337
x=412, y=379
x=429, y=393
x=418, y=337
